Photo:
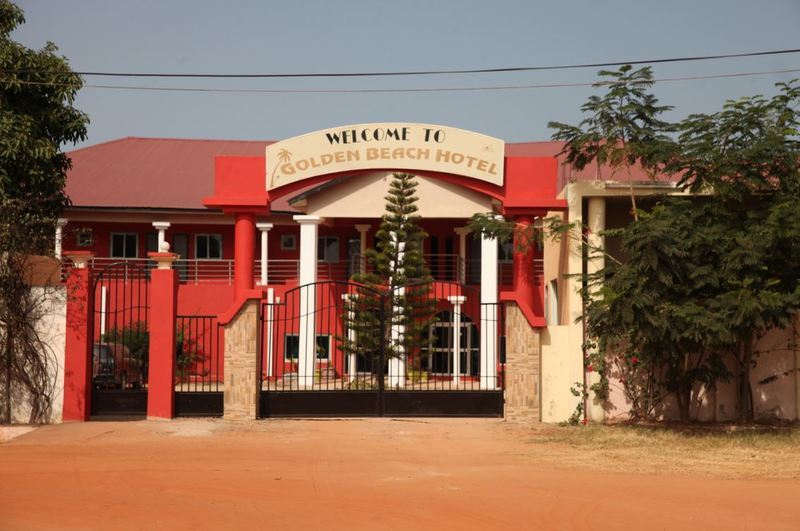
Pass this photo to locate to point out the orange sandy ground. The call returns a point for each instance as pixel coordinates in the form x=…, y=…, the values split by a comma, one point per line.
x=349, y=474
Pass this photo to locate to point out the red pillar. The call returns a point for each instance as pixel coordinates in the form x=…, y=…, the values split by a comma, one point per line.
x=524, y=253
x=244, y=252
x=163, y=310
x=78, y=341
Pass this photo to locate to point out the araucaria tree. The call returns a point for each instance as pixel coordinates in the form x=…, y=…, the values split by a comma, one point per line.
x=396, y=268
x=37, y=90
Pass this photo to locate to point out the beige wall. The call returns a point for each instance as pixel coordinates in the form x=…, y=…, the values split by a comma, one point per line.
x=364, y=197
x=556, y=374
x=51, y=328
x=772, y=399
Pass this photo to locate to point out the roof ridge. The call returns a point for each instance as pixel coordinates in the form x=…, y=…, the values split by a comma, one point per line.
x=172, y=139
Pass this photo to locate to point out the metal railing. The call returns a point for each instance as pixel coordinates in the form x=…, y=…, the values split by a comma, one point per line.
x=444, y=267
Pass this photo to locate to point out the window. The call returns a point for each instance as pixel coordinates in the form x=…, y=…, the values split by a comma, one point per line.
x=291, y=344
x=85, y=237
x=208, y=246
x=505, y=253
x=124, y=245
x=328, y=249
x=288, y=242
x=551, y=304
x=151, y=245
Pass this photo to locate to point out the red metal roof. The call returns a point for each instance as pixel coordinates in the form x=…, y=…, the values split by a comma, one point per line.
x=176, y=173
x=151, y=172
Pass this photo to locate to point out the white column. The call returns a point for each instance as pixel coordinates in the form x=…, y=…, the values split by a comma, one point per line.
x=489, y=345
x=264, y=228
x=457, y=301
x=594, y=263
x=308, y=299
x=397, y=364
x=349, y=301
x=270, y=302
x=462, y=252
x=363, y=229
x=60, y=224
x=161, y=227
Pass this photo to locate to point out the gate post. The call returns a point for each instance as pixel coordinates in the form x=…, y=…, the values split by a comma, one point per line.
x=522, y=371
x=163, y=312
x=78, y=341
x=242, y=369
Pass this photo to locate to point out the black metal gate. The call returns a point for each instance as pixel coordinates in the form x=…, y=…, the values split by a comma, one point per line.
x=120, y=337
x=345, y=349
x=199, y=348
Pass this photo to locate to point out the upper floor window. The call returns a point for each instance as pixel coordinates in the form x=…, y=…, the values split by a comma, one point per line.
x=208, y=246
x=84, y=237
x=124, y=245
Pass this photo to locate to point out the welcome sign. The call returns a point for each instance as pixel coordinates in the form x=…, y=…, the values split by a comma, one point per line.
x=394, y=146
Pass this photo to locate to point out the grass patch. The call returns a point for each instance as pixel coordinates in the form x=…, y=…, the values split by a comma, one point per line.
x=765, y=452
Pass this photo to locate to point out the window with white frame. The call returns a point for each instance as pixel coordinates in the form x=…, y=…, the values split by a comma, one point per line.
x=291, y=347
x=328, y=249
x=124, y=245
x=208, y=246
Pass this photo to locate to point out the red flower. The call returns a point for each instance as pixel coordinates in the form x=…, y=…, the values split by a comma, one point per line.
x=590, y=368
x=585, y=422
x=634, y=360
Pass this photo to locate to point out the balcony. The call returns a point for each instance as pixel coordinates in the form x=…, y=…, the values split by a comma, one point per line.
x=444, y=267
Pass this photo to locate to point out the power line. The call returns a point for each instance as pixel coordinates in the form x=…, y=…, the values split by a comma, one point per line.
x=400, y=90
x=432, y=72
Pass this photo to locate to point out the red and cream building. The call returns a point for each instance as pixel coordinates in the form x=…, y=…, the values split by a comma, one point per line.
x=259, y=220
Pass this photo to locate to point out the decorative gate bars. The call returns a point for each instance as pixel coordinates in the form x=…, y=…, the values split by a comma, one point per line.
x=120, y=340
x=345, y=349
x=199, y=347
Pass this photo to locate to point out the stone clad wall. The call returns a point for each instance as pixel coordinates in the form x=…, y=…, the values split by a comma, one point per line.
x=241, y=364
x=522, y=372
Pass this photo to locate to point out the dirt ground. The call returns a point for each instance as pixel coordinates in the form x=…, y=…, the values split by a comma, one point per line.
x=355, y=474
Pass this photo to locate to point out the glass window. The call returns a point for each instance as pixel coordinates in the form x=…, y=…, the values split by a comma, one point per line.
x=208, y=247
x=85, y=237
x=152, y=242
x=328, y=249
x=124, y=245
x=292, y=347
x=288, y=242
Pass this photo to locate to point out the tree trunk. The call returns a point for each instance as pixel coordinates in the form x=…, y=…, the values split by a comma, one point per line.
x=8, y=351
x=745, y=361
x=684, y=394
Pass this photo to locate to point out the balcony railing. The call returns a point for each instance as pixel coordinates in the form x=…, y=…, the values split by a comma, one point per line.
x=279, y=271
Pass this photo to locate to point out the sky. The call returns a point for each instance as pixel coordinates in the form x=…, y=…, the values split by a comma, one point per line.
x=293, y=36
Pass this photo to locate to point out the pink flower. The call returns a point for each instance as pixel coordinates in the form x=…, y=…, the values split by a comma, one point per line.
x=634, y=360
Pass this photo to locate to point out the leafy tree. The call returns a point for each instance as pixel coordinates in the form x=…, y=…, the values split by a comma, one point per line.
x=395, y=267
x=622, y=129
x=37, y=90
x=649, y=314
x=746, y=158
x=705, y=280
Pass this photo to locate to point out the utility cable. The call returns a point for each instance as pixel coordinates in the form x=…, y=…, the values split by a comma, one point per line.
x=400, y=90
x=434, y=72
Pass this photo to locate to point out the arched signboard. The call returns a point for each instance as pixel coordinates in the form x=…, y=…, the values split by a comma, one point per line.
x=402, y=146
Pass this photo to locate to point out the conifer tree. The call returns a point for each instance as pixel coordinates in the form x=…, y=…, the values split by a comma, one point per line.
x=395, y=268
